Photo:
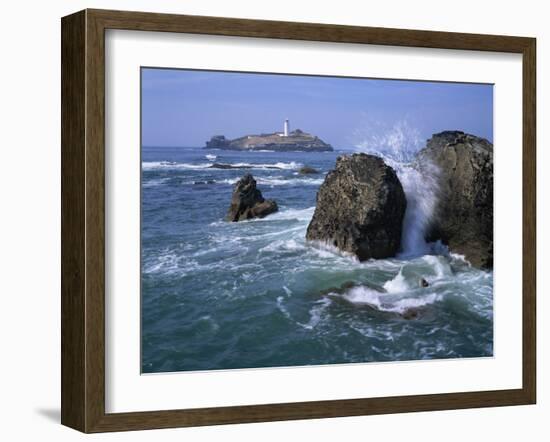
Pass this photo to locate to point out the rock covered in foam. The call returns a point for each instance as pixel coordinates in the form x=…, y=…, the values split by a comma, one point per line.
x=360, y=208
x=247, y=201
x=463, y=218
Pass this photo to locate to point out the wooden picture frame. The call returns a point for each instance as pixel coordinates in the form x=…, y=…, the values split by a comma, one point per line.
x=83, y=220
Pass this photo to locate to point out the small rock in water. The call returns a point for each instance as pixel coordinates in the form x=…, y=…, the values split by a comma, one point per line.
x=423, y=283
x=247, y=201
x=410, y=314
x=306, y=170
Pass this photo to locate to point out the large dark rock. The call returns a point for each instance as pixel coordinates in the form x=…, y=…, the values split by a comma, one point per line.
x=464, y=212
x=360, y=208
x=247, y=201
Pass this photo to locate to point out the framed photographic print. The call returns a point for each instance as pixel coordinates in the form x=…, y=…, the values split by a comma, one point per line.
x=270, y=220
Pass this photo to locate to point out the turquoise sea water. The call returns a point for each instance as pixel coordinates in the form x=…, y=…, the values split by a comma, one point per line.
x=219, y=295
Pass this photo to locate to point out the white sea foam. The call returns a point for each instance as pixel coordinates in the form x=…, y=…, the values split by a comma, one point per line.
x=460, y=258
x=155, y=182
x=398, y=144
x=398, y=284
x=281, y=181
x=440, y=265
x=281, y=307
x=146, y=165
x=279, y=165
x=154, y=165
x=421, y=192
x=211, y=157
x=178, y=262
x=277, y=181
x=302, y=215
x=386, y=302
x=399, y=141
x=281, y=245
x=316, y=314
x=326, y=250
x=294, y=214
x=166, y=262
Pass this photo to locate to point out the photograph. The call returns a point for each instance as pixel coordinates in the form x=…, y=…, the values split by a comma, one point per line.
x=303, y=220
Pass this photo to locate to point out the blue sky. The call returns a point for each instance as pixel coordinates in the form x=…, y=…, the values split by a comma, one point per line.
x=185, y=108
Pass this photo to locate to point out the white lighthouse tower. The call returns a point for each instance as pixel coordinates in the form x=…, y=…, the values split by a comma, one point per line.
x=286, y=128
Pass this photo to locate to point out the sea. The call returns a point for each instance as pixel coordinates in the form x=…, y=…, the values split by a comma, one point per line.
x=220, y=295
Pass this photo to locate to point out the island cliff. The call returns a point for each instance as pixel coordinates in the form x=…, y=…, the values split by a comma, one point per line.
x=285, y=141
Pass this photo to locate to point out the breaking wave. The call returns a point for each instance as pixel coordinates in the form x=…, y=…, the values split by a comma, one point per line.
x=386, y=303
x=398, y=145
x=279, y=181
x=398, y=284
x=172, y=165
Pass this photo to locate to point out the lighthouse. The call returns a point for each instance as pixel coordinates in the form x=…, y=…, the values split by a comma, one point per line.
x=285, y=130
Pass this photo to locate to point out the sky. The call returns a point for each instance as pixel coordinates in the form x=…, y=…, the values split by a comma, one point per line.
x=186, y=107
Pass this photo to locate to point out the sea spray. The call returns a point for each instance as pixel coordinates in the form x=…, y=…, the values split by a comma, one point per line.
x=386, y=302
x=421, y=193
x=397, y=145
x=397, y=284
x=398, y=142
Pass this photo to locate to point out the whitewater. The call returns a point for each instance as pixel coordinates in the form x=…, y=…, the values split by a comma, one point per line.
x=219, y=295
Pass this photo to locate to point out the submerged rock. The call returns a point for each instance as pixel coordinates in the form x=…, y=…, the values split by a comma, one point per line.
x=247, y=201
x=306, y=170
x=360, y=208
x=339, y=290
x=411, y=313
x=227, y=166
x=463, y=218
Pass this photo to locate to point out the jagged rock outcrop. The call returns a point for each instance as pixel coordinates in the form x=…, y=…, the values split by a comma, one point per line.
x=247, y=201
x=360, y=208
x=464, y=211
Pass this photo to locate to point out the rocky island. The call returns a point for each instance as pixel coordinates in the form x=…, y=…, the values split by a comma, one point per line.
x=285, y=141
